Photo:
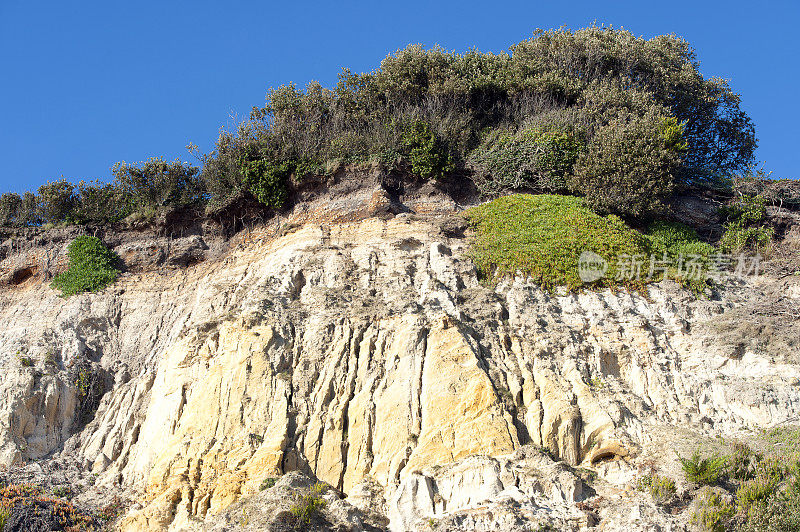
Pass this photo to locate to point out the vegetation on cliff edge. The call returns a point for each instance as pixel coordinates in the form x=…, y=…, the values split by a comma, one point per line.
x=598, y=112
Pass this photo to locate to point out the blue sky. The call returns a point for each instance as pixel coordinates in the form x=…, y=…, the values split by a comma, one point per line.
x=90, y=83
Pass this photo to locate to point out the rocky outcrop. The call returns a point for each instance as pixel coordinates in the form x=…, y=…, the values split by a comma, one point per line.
x=368, y=355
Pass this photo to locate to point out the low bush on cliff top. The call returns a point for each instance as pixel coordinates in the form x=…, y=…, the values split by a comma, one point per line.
x=92, y=266
x=543, y=236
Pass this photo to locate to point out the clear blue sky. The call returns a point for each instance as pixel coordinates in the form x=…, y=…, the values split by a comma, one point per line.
x=89, y=83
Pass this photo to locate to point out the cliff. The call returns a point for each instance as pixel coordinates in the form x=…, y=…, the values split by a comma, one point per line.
x=351, y=341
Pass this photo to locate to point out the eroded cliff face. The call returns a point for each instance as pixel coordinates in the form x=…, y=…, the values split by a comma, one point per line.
x=369, y=355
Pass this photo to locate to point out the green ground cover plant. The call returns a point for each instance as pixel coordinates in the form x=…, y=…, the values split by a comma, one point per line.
x=542, y=236
x=92, y=266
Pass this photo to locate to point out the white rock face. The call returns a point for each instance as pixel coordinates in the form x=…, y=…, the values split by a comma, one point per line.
x=369, y=355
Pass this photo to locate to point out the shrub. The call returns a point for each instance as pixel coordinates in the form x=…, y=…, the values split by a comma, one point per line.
x=713, y=514
x=648, y=117
x=221, y=176
x=57, y=202
x=101, y=203
x=543, y=237
x=267, y=483
x=753, y=491
x=628, y=167
x=64, y=492
x=670, y=237
x=744, y=229
x=737, y=238
x=155, y=183
x=28, y=210
x=26, y=507
x=742, y=462
x=10, y=204
x=704, y=471
x=662, y=489
x=720, y=135
x=779, y=512
x=459, y=96
x=310, y=504
x=267, y=181
x=92, y=266
x=532, y=158
x=692, y=259
x=745, y=209
x=426, y=153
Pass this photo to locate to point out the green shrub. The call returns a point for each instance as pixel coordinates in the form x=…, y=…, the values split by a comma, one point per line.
x=92, y=266
x=101, y=203
x=64, y=492
x=744, y=228
x=310, y=504
x=737, y=238
x=532, y=158
x=267, y=483
x=713, y=514
x=691, y=259
x=753, y=491
x=10, y=204
x=745, y=209
x=779, y=512
x=543, y=237
x=704, y=471
x=222, y=168
x=662, y=489
x=648, y=117
x=57, y=202
x=155, y=183
x=629, y=167
x=742, y=462
x=426, y=153
x=268, y=181
x=597, y=73
x=29, y=210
